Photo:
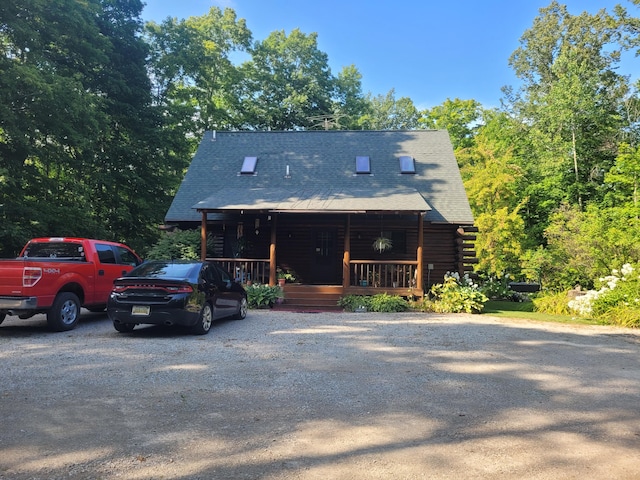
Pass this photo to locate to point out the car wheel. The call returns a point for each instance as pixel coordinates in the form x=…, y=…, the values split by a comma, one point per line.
x=124, y=327
x=64, y=313
x=242, y=310
x=204, y=321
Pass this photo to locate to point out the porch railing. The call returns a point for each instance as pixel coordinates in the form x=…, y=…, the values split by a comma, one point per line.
x=388, y=274
x=384, y=274
x=245, y=269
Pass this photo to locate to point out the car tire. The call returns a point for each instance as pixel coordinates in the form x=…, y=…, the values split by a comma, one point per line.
x=242, y=310
x=205, y=319
x=124, y=327
x=64, y=313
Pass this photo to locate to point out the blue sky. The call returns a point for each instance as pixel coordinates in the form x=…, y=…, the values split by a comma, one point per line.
x=426, y=50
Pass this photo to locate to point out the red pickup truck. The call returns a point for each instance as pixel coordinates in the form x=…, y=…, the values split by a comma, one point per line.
x=57, y=276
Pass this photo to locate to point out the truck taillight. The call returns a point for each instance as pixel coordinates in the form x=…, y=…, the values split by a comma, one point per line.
x=31, y=276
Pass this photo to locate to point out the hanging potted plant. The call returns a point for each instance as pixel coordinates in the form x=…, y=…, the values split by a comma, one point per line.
x=382, y=244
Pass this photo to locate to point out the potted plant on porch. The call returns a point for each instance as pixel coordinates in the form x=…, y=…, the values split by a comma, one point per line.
x=285, y=276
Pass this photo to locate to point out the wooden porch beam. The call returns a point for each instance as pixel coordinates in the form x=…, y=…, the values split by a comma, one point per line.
x=272, y=250
x=346, y=257
x=203, y=236
x=419, y=253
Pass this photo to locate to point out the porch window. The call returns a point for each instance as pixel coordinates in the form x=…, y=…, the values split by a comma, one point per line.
x=363, y=165
x=399, y=241
x=407, y=165
x=249, y=166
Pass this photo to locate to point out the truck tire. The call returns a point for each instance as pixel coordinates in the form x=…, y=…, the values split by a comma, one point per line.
x=64, y=313
x=2, y=315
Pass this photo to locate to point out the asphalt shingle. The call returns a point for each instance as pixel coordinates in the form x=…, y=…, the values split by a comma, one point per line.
x=316, y=171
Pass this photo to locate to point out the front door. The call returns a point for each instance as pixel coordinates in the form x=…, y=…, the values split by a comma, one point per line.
x=324, y=265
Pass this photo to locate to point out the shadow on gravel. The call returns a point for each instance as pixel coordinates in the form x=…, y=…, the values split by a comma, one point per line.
x=286, y=395
x=37, y=324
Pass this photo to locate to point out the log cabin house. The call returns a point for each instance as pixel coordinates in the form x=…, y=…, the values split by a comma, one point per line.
x=317, y=203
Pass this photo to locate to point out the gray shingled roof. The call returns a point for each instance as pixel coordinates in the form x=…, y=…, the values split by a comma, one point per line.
x=322, y=176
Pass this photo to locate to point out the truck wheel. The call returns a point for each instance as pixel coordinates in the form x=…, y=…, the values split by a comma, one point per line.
x=2, y=315
x=204, y=322
x=64, y=313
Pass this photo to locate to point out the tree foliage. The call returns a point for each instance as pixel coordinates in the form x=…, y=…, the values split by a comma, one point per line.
x=80, y=140
x=99, y=116
x=385, y=112
x=287, y=83
x=193, y=75
x=461, y=118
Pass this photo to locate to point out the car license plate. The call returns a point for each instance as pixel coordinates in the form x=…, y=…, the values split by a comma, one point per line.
x=140, y=310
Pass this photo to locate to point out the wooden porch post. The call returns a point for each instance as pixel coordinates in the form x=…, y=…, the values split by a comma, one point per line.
x=420, y=268
x=346, y=257
x=203, y=236
x=272, y=250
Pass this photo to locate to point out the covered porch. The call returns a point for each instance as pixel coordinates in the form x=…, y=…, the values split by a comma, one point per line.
x=322, y=249
x=320, y=237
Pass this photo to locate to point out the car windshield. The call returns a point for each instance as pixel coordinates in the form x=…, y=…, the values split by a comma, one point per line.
x=166, y=270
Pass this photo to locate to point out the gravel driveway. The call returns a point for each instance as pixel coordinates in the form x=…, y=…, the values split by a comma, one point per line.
x=285, y=395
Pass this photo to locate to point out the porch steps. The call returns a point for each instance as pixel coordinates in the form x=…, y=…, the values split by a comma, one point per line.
x=310, y=297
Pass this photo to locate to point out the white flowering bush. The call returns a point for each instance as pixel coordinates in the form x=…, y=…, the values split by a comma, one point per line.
x=616, y=298
x=456, y=295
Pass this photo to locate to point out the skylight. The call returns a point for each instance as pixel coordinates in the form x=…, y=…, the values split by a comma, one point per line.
x=407, y=165
x=363, y=165
x=249, y=165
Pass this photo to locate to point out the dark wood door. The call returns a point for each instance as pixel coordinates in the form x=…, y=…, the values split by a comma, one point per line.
x=324, y=263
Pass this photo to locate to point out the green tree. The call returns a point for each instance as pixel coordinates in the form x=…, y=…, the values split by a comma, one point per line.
x=192, y=72
x=349, y=102
x=623, y=179
x=287, y=84
x=569, y=107
x=461, y=118
x=385, y=112
x=583, y=246
x=492, y=181
x=500, y=245
x=78, y=149
x=48, y=113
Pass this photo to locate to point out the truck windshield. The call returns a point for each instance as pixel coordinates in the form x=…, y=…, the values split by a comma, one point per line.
x=66, y=250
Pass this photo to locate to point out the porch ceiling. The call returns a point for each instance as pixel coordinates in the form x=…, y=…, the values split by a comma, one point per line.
x=327, y=200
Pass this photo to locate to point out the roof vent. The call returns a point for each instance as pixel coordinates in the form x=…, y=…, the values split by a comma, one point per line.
x=249, y=166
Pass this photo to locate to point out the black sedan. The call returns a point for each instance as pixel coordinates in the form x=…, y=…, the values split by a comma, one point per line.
x=168, y=292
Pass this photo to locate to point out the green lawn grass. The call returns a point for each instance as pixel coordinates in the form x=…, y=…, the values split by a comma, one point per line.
x=524, y=310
